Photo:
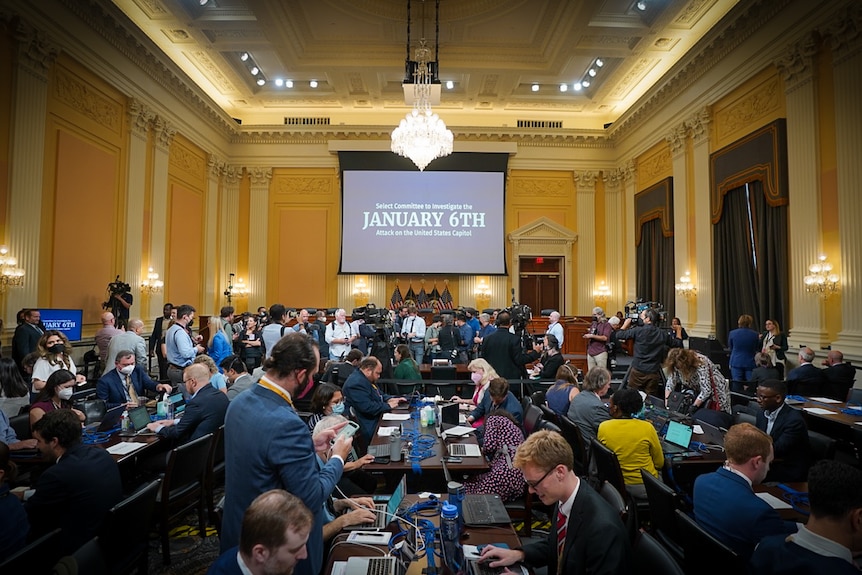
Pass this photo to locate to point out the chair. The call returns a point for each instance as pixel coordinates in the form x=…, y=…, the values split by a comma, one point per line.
x=607, y=466
x=125, y=531
x=183, y=487
x=703, y=553
x=526, y=402
x=447, y=390
x=549, y=425
x=21, y=425
x=538, y=397
x=215, y=474
x=822, y=446
x=663, y=502
x=653, y=559
x=549, y=414
x=37, y=557
x=572, y=433
x=854, y=395
x=87, y=559
x=532, y=418
x=742, y=417
x=610, y=494
x=406, y=388
x=521, y=509
x=444, y=372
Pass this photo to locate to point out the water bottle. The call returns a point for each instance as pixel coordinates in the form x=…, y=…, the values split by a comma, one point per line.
x=395, y=446
x=456, y=496
x=451, y=535
x=124, y=421
x=170, y=409
x=162, y=409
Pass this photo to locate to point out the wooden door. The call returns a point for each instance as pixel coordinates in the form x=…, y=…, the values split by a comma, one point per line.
x=540, y=283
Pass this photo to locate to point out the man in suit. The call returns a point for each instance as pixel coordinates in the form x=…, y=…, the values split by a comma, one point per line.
x=724, y=502
x=77, y=491
x=587, y=409
x=268, y=446
x=126, y=384
x=275, y=529
x=587, y=535
x=788, y=431
x=498, y=397
x=807, y=379
x=168, y=312
x=839, y=376
x=503, y=351
x=27, y=337
x=237, y=376
x=362, y=394
x=129, y=339
x=205, y=409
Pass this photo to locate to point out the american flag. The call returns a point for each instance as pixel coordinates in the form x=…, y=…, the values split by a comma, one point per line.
x=446, y=298
x=422, y=298
x=396, y=300
x=410, y=295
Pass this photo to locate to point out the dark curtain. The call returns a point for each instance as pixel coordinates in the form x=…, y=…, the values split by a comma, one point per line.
x=741, y=286
x=655, y=267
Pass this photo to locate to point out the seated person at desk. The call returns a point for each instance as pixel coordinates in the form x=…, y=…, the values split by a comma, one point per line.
x=635, y=441
x=550, y=361
x=807, y=379
x=588, y=410
x=560, y=395
x=14, y=525
x=498, y=397
x=354, y=480
x=481, y=374
x=833, y=534
x=587, y=535
x=839, y=376
x=55, y=395
x=204, y=412
x=77, y=491
x=405, y=366
x=337, y=372
x=237, y=376
x=724, y=502
x=326, y=400
x=502, y=437
x=217, y=379
x=274, y=531
x=126, y=383
x=787, y=429
x=694, y=372
x=763, y=370
x=363, y=396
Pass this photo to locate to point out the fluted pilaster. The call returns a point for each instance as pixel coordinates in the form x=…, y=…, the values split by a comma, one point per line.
x=677, y=140
x=614, y=250
x=803, y=156
x=704, y=324
x=163, y=133
x=139, y=124
x=585, y=279
x=215, y=229
x=258, y=234
x=629, y=188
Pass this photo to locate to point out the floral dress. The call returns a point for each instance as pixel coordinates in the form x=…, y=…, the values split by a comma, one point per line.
x=502, y=437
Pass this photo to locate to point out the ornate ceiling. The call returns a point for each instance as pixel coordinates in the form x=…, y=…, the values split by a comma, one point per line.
x=494, y=51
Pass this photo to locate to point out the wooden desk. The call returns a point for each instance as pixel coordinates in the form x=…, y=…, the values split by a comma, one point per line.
x=835, y=416
x=461, y=371
x=787, y=514
x=149, y=440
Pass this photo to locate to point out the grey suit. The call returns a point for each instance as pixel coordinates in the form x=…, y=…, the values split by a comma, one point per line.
x=242, y=383
x=588, y=411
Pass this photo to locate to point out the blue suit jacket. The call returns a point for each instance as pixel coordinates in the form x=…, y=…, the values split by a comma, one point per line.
x=367, y=402
x=226, y=564
x=807, y=379
x=790, y=441
x=204, y=414
x=268, y=446
x=743, y=344
x=777, y=556
x=726, y=507
x=112, y=389
x=510, y=404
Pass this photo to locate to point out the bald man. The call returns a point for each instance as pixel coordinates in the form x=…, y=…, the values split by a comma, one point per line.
x=205, y=409
x=104, y=335
x=807, y=379
x=839, y=376
x=129, y=339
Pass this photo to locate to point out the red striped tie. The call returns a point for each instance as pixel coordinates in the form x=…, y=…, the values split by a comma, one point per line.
x=561, y=538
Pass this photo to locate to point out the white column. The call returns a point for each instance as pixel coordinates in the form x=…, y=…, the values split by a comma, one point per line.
x=164, y=135
x=258, y=235
x=847, y=77
x=614, y=184
x=806, y=323
x=584, y=281
x=677, y=140
x=701, y=276
x=215, y=229
x=631, y=286
x=139, y=126
x=26, y=156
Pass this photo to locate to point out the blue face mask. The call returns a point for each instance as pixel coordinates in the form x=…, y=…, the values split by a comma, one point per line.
x=338, y=408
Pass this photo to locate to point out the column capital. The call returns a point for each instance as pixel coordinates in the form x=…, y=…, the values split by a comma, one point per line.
x=698, y=124
x=215, y=166
x=796, y=65
x=140, y=117
x=232, y=175
x=259, y=176
x=165, y=133
x=585, y=181
x=35, y=53
x=845, y=33
x=613, y=178
x=676, y=139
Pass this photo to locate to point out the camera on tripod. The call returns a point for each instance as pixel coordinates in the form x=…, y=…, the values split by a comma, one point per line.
x=115, y=288
x=634, y=309
x=373, y=316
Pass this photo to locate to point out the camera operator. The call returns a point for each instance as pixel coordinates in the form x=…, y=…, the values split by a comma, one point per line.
x=502, y=349
x=650, y=348
x=119, y=301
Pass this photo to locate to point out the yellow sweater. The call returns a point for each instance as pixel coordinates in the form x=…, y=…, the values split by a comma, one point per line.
x=636, y=444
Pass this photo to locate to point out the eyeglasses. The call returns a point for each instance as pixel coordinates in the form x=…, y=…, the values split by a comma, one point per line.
x=761, y=396
x=535, y=484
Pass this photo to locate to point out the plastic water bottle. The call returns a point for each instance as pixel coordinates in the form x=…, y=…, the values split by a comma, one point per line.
x=451, y=536
x=395, y=446
x=162, y=409
x=124, y=421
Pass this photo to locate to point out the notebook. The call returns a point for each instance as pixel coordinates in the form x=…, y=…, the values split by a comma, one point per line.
x=139, y=417
x=484, y=509
x=464, y=450
x=385, y=513
x=677, y=438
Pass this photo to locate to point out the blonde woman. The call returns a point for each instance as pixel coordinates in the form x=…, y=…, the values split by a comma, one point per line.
x=54, y=354
x=218, y=345
x=481, y=373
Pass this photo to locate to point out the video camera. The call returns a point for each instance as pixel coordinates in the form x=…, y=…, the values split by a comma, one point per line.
x=373, y=316
x=115, y=288
x=634, y=309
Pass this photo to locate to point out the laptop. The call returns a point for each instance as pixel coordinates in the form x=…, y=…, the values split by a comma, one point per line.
x=139, y=418
x=450, y=415
x=109, y=421
x=380, y=451
x=370, y=566
x=464, y=450
x=677, y=438
x=384, y=513
x=711, y=433
x=179, y=403
x=484, y=509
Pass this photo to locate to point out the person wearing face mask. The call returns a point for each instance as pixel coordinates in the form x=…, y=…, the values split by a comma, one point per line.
x=204, y=412
x=550, y=361
x=598, y=337
x=55, y=395
x=481, y=374
x=180, y=348
x=327, y=400
x=126, y=384
x=54, y=354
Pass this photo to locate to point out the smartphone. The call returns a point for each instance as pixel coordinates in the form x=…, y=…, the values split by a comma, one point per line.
x=348, y=430
x=452, y=459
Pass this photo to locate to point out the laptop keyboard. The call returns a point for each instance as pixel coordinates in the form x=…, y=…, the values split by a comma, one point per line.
x=378, y=566
x=458, y=449
x=484, y=569
x=478, y=508
x=379, y=450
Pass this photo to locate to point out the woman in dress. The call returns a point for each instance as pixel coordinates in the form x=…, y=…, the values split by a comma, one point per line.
x=502, y=437
x=55, y=394
x=54, y=354
x=550, y=361
x=743, y=343
x=218, y=345
x=13, y=390
x=481, y=374
x=774, y=344
x=690, y=370
x=560, y=395
x=251, y=351
x=405, y=367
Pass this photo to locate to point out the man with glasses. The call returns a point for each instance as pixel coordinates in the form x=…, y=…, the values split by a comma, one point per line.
x=237, y=376
x=180, y=348
x=788, y=431
x=204, y=412
x=362, y=394
x=587, y=534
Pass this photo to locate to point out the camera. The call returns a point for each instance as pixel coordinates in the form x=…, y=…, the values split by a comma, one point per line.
x=634, y=309
x=373, y=316
x=115, y=288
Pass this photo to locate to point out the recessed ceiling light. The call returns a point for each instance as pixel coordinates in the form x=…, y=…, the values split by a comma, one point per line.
x=577, y=86
x=261, y=81
x=254, y=70
x=450, y=84
x=600, y=62
x=585, y=83
x=641, y=6
x=243, y=56
x=288, y=83
x=564, y=87
x=313, y=83
x=535, y=88
x=592, y=72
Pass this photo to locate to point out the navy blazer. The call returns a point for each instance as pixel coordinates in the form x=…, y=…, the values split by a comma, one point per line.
x=367, y=401
x=596, y=540
x=744, y=343
x=502, y=350
x=510, y=404
x=111, y=387
x=790, y=441
x=226, y=564
x=839, y=379
x=777, y=555
x=204, y=414
x=807, y=379
x=727, y=508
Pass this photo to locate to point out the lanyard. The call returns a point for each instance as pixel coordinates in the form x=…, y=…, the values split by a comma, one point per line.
x=264, y=382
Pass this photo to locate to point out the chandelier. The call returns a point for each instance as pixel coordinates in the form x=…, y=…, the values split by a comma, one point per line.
x=152, y=284
x=602, y=292
x=685, y=288
x=10, y=274
x=422, y=136
x=821, y=280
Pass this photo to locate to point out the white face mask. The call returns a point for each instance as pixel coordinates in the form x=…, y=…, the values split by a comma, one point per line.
x=127, y=369
x=65, y=393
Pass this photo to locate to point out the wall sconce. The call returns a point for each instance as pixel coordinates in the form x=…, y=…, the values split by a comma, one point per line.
x=602, y=292
x=361, y=295
x=482, y=292
x=240, y=290
x=152, y=284
x=685, y=288
x=821, y=280
x=10, y=274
